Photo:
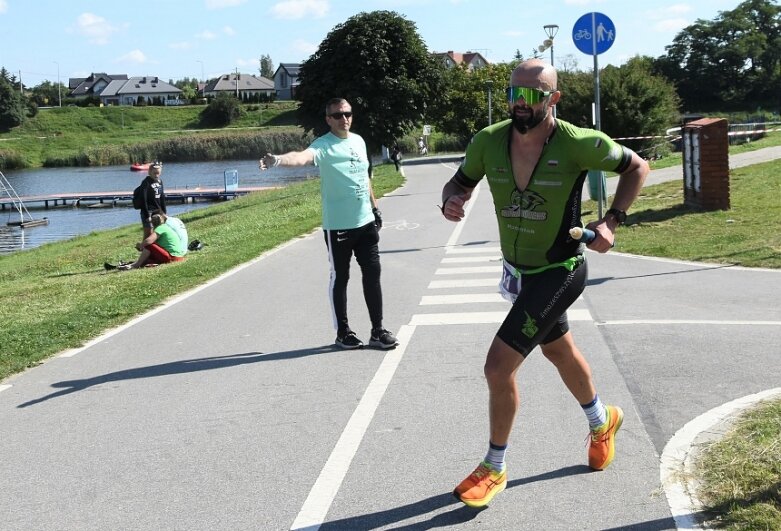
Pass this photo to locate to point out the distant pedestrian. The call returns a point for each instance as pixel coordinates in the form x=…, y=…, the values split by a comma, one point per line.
x=396, y=156
x=422, y=148
x=351, y=219
x=153, y=196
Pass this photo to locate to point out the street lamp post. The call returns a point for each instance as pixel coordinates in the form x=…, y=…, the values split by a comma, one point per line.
x=551, y=30
x=59, y=91
x=198, y=61
x=489, y=84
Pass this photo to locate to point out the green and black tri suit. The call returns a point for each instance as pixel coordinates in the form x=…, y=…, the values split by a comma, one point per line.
x=534, y=223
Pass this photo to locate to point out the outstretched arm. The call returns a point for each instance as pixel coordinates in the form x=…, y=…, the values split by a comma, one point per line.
x=291, y=158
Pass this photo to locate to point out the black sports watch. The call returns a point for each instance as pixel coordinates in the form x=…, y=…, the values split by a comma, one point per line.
x=619, y=215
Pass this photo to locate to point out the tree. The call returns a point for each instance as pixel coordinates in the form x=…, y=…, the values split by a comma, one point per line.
x=379, y=63
x=47, y=94
x=730, y=62
x=462, y=108
x=266, y=67
x=221, y=111
x=633, y=102
x=12, y=104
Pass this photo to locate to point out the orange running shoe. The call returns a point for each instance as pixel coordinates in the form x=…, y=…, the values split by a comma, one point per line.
x=602, y=448
x=480, y=487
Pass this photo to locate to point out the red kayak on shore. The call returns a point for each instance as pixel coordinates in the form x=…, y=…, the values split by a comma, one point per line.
x=138, y=166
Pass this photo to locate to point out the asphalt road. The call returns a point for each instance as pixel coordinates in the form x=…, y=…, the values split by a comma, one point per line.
x=229, y=408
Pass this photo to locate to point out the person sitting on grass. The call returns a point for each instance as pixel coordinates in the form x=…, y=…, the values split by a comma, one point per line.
x=178, y=227
x=160, y=247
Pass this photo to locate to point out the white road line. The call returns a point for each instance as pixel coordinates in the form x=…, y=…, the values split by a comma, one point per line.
x=687, y=322
x=472, y=259
x=3, y=387
x=316, y=506
x=468, y=270
x=676, y=459
x=464, y=298
x=451, y=242
x=437, y=319
x=465, y=283
x=473, y=250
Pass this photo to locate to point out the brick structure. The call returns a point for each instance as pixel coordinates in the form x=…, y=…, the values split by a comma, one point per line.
x=706, y=164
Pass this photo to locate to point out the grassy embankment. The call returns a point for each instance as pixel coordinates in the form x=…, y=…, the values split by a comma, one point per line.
x=119, y=135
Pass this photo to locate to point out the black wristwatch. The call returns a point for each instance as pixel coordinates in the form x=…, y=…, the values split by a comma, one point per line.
x=618, y=215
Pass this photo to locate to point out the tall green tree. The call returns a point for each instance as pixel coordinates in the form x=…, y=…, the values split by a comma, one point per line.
x=633, y=102
x=266, y=67
x=462, y=108
x=730, y=63
x=379, y=63
x=13, y=106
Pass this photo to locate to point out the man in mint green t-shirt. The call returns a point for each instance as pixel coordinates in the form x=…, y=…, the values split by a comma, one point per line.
x=351, y=219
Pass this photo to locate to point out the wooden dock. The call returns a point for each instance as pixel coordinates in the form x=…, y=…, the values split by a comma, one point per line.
x=95, y=199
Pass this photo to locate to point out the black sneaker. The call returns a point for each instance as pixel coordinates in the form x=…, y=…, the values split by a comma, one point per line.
x=349, y=341
x=381, y=338
x=108, y=267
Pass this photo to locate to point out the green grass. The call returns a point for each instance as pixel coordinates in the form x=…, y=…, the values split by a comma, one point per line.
x=740, y=475
x=58, y=296
x=659, y=224
x=63, y=133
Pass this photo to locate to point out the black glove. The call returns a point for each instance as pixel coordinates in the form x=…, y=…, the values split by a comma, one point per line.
x=377, y=217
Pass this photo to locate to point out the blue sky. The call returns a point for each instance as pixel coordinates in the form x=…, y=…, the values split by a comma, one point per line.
x=176, y=39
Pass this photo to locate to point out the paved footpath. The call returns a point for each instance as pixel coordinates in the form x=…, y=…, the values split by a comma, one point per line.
x=229, y=408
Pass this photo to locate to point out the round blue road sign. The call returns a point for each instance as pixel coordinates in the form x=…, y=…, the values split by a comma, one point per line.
x=593, y=33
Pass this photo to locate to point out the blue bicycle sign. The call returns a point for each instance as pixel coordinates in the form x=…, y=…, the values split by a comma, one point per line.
x=593, y=33
x=581, y=34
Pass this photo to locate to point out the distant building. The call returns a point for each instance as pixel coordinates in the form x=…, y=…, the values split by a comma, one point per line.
x=286, y=80
x=149, y=89
x=472, y=60
x=82, y=87
x=250, y=88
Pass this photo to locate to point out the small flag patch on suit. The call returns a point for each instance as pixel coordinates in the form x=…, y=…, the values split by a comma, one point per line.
x=553, y=163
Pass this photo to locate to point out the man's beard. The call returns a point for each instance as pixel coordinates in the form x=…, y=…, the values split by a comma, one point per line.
x=522, y=124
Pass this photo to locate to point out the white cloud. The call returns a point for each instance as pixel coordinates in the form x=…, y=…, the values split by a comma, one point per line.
x=677, y=9
x=220, y=4
x=243, y=63
x=229, y=31
x=3, y=6
x=671, y=25
x=206, y=35
x=512, y=33
x=96, y=28
x=304, y=47
x=293, y=9
x=135, y=57
x=184, y=45
x=582, y=2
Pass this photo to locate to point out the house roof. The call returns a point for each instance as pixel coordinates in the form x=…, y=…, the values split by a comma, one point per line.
x=147, y=85
x=227, y=83
x=82, y=86
x=292, y=69
x=457, y=58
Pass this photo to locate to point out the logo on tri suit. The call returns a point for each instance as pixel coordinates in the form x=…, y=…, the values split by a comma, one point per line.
x=525, y=205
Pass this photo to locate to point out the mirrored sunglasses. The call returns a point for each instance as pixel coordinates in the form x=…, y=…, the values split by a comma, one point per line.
x=530, y=95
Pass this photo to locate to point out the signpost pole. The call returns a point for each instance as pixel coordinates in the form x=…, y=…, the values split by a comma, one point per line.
x=597, y=114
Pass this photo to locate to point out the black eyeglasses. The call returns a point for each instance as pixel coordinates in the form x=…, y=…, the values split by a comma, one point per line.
x=340, y=115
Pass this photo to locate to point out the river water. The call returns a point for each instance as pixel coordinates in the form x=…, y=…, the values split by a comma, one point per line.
x=68, y=221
